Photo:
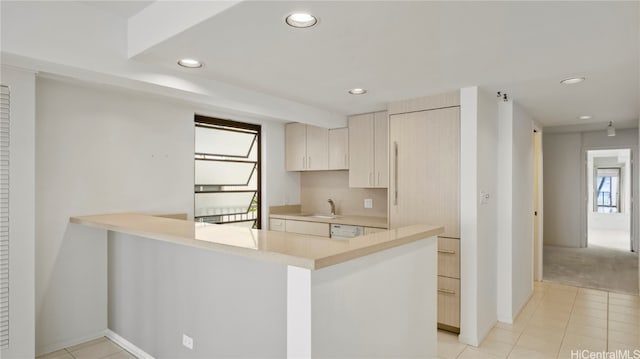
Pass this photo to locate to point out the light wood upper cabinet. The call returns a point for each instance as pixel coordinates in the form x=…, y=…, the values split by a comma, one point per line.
x=381, y=149
x=368, y=150
x=317, y=148
x=307, y=147
x=296, y=146
x=339, y=149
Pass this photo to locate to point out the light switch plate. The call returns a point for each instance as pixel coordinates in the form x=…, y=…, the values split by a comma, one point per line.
x=368, y=203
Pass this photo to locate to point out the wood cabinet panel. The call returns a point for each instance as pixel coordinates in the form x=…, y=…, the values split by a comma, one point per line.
x=311, y=228
x=317, y=148
x=295, y=146
x=306, y=147
x=339, y=149
x=449, y=257
x=425, y=169
x=277, y=225
x=361, y=150
x=449, y=302
x=381, y=150
x=369, y=150
x=370, y=230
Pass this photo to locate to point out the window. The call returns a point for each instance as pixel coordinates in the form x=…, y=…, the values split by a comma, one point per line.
x=607, y=190
x=227, y=172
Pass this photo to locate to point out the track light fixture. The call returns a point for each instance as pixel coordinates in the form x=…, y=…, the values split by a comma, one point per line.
x=611, y=131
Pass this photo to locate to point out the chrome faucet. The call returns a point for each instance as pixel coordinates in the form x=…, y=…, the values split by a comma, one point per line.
x=333, y=207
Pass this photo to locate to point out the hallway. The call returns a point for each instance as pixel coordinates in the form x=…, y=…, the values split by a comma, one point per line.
x=593, y=267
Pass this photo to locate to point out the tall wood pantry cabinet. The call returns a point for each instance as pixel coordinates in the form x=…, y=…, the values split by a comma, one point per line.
x=424, y=165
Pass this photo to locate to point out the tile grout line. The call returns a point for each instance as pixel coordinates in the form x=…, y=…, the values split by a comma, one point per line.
x=527, y=323
x=564, y=332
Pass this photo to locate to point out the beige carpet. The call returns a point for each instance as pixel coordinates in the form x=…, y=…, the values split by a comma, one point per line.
x=594, y=267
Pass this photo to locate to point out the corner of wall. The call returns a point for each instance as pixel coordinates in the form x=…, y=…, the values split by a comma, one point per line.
x=22, y=208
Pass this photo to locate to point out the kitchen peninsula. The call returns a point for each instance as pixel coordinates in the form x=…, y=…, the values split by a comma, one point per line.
x=255, y=293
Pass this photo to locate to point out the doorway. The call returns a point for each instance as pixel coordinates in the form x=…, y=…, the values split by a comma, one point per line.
x=609, y=203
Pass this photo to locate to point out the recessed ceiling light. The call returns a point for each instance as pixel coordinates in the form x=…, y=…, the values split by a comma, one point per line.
x=357, y=91
x=572, y=80
x=190, y=63
x=301, y=20
x=585, y=117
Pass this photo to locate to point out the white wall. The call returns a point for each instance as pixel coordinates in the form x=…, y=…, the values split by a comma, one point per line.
x=478, y=221
x=522, y=197
x=22, y=206
x=565, y=182
x=505, y=211
x=102, y=150
x=562, y=196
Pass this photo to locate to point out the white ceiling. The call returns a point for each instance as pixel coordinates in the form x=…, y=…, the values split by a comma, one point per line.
x=400, y=50
x=125, y=8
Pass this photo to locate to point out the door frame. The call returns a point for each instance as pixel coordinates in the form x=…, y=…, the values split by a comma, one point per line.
x=633, y=229
x=538, y=240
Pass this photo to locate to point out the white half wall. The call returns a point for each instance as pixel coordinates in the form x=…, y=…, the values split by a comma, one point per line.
x=102, y=149
x=478, y=218
x=22, y=85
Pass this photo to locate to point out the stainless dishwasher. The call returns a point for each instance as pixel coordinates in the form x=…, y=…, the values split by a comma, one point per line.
x=342, y=231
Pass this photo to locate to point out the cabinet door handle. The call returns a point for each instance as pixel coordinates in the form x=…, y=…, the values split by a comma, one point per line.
x=395, y=173
x=345, y=161
x=447, y=251
x=446, y=291
x=309, y=161
x=304, y=159
x=378, y=178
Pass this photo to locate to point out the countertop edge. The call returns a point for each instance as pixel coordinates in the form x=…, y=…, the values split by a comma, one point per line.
x=310, y=263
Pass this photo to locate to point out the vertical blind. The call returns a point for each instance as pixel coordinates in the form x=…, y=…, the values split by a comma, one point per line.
x=4, y=216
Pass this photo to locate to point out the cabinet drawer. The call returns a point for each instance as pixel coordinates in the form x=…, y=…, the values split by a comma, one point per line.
x=369, y=230
x=449, y=257
x=277, y=225
x=312, y=228
x=449, y=302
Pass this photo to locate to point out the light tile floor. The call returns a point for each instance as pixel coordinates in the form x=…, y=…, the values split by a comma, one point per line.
x=556, y=320
x=101, y=348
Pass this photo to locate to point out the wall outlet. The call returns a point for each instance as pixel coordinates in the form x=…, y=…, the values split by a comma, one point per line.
x=187, y=341
x=368, y=203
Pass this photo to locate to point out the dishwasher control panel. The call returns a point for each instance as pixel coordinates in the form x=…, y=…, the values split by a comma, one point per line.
x=343, y=231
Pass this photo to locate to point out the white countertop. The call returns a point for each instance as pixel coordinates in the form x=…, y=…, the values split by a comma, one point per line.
x=287, y=248
x=365, y=221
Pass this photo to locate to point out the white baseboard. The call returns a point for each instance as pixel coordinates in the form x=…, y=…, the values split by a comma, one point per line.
x=127, y=345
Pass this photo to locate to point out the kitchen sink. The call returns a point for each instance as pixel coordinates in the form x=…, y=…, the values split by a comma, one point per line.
x=325, y=216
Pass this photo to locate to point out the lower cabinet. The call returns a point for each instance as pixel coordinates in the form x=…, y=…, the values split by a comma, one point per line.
x=449, y=284
x=369, y=230
x=300, y=227
x=449, y=303
x=276, y=224
x=311, y=228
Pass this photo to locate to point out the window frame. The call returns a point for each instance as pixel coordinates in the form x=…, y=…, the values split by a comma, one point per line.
x=206, y=120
